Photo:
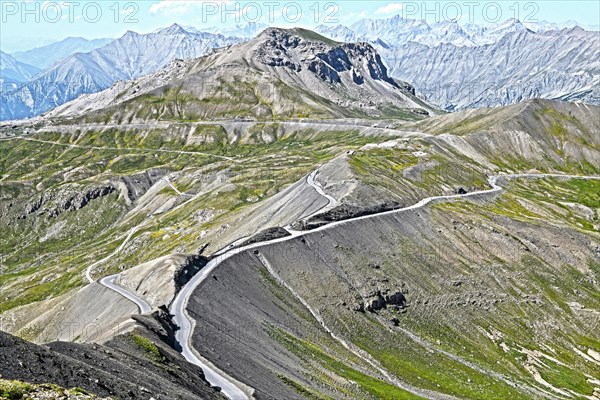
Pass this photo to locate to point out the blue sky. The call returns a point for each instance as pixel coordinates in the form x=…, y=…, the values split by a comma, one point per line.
x=27, y=23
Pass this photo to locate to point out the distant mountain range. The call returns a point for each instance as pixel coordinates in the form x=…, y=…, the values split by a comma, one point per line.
x=126, y=58
x=522, y=65
x=397, y=31
x=452, y=66
x=457, y=67
x=244, y=31
x=13, y=72
x=44, y=56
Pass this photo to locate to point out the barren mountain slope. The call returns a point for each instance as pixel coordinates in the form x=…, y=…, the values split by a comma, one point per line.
x=486, y=298
x=137, y=365
x=467, y=298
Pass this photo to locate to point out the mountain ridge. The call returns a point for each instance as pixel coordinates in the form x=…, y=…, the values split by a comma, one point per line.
x=398, y=30
x=281, y=73
x=399, y=41
x=43, y=57
x=520, y=66
x=14, y=72
x=128, y=57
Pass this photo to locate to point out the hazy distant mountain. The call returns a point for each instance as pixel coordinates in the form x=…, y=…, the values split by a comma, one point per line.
x=522, y=65
x=13, y=44
x=129, y=57
x=541, y=26
x=43, y=57
x=13, y=71
x=398, y=30
x=245, y=31
x=456, y=66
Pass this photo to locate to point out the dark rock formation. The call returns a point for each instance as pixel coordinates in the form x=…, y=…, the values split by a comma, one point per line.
x=190, y=268
x=381, y=300
x=120, y=369
x=55, y=203
x=324, y=71
x=266, y=235
x=342, y=212
x=79, y=200
x=161, y=324
x=137, y=185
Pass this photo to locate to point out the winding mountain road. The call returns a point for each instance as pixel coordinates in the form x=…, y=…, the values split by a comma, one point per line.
x=137, y=149
x=183, y=335
x=108, y=281
x=310, y=180
x=141, y=303
x=213, y=375
x=88, y=271
x=178, y=308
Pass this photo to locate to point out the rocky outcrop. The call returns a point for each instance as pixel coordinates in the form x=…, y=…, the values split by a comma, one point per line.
x=137, y=185
x=344, y=211
x=273, y=51
x=382, y=299
x=266, y=235
x=326, y=60
x=161, y=324
x=324, y=71
x=130, y=367
x=191, y=267
x=57, y=202
x=81, y=200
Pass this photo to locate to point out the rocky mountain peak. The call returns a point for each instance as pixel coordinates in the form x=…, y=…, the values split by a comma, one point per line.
x=174, y=30
x=513, y=22
x=279, y=38
x=299, y=49
x=130, y=34
x=293, y=37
